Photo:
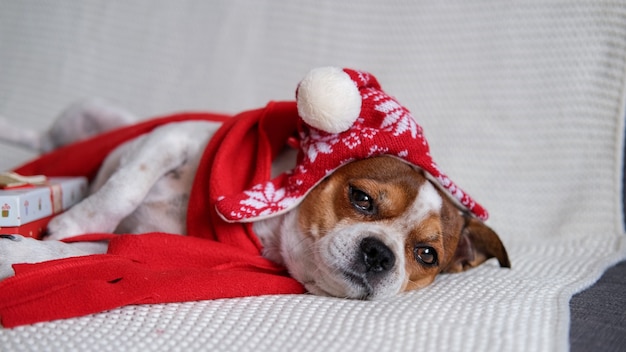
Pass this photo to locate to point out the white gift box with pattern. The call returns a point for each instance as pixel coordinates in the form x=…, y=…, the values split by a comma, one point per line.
x=24, y=205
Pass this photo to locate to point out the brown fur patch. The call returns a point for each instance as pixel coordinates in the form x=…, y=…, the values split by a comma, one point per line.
x=393, y=187
x=391, y=183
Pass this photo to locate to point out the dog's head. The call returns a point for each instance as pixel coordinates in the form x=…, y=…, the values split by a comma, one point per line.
x=377, y=227
x=369, y=222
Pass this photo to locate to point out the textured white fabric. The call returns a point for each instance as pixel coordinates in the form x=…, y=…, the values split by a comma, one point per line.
x=522, y=103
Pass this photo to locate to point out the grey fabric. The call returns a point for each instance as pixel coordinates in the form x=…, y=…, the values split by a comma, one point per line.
x=599, y=314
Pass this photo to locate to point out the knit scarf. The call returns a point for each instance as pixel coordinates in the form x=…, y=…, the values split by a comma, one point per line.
x=215, y=260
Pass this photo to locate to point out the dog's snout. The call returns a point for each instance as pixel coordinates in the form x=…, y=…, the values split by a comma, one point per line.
x=376, y=256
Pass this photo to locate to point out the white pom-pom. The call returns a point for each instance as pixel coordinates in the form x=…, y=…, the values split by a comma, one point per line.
x=329, y=100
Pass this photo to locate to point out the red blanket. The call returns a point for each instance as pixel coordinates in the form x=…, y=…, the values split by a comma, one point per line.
x=216, y=259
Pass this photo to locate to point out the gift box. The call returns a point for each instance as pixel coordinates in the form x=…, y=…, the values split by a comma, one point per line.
x=26, y=209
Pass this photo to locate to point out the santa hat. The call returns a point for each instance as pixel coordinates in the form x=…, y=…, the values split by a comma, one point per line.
x=344, y=116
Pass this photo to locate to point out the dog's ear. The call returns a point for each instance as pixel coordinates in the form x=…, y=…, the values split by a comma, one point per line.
x=477, y=243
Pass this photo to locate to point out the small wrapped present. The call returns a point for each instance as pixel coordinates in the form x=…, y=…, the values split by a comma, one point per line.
x=28, y=203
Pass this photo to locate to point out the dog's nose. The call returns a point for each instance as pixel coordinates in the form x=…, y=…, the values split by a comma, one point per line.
x=376, y=256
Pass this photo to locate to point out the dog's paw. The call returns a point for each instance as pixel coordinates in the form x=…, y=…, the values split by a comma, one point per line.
x=15, y=249
x=64, y=226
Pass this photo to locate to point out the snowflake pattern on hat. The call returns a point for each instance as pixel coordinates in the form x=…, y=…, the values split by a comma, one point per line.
x=379, y=125
x=265, y=199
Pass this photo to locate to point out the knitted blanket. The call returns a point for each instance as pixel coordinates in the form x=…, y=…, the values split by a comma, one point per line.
x=522, y=103
x=216, y=259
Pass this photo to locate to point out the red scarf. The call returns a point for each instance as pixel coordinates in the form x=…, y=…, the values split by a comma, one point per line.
x=216, y=259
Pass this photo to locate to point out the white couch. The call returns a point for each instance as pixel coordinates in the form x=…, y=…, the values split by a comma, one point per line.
x=522, y=103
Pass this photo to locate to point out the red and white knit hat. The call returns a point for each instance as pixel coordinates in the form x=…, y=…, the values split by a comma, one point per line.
x=344, y=116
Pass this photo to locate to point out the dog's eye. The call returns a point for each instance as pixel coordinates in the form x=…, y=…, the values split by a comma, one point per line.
x=361, y=201
x=425, y=255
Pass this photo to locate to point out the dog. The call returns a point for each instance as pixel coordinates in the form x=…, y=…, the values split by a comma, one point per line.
x=370, y=229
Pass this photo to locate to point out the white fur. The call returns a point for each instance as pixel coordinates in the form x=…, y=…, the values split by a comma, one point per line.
x=144, y=185
x=81, y=120
x=322, y=265
x=19, y=249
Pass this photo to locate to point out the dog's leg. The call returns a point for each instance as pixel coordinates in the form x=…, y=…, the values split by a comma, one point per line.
x=80, y=120
x=147, y=160
x=16, y=249
x=23, y=137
